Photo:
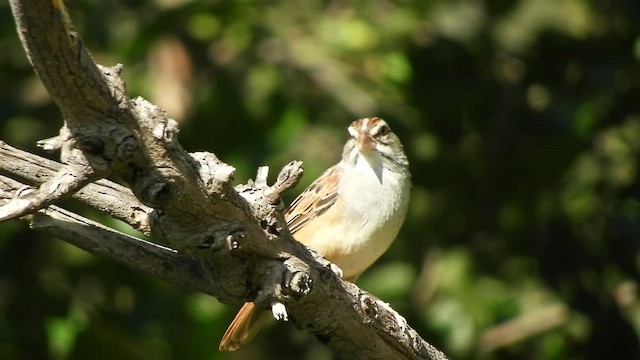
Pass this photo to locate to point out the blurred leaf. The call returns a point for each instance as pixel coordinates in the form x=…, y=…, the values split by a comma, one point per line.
x=62, y=333
x=204, y=308
x=389, y=281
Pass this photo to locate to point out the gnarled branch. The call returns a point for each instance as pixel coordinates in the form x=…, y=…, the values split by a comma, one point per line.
x=186, y=200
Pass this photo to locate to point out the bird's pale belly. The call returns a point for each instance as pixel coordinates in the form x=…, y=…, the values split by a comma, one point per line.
x=353, y=250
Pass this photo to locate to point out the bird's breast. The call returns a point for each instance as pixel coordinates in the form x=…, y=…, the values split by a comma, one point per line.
x=363, y=222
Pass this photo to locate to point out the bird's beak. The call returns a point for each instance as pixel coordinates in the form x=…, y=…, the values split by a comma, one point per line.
x=365, y=142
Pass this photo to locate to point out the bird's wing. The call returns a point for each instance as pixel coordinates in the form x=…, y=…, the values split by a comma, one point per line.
x=314, y=200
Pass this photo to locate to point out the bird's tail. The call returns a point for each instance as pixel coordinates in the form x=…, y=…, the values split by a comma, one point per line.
x=244, y=327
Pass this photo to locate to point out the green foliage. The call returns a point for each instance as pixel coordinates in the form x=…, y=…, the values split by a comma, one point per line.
x=520, y=118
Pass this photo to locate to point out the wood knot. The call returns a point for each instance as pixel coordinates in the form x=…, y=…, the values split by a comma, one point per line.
x=90, y=144
x=300, y=283
x=234, y=238
x=127, y=147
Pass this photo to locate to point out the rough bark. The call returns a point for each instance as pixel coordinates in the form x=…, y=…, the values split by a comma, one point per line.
x=229, y=242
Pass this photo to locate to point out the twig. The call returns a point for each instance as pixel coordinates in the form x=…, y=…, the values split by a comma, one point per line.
x=64, y=183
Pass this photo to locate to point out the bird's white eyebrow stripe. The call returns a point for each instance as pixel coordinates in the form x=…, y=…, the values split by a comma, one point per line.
x=352, y=131
x=371, y=125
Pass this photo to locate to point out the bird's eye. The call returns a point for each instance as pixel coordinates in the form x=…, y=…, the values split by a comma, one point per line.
x=384, y=130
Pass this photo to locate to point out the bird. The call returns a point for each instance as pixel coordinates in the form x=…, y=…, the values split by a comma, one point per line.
x=350, y=214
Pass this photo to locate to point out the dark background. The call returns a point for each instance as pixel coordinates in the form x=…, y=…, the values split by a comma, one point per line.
x=521, y=120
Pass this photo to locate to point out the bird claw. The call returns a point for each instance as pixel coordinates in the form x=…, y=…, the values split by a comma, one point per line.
x=279, y=311
x=336, y=270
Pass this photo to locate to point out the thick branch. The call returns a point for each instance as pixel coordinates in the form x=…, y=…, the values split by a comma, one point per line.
x=196, y=209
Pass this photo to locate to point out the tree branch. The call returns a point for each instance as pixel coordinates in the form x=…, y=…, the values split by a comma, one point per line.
x=219, y=232
x=141, y=255
x=100, y=194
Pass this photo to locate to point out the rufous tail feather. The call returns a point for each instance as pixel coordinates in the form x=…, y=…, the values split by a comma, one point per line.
x=244, y=327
